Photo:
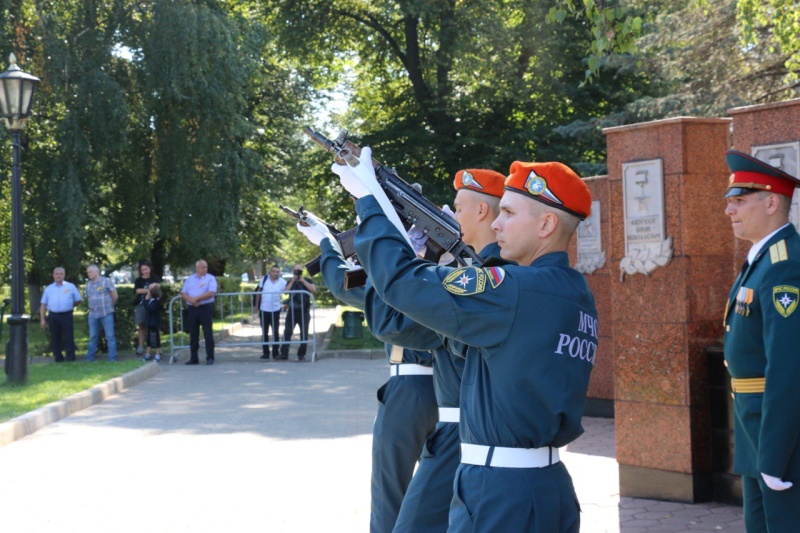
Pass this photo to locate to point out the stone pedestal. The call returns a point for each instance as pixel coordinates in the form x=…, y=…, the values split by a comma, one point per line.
x=663, y=322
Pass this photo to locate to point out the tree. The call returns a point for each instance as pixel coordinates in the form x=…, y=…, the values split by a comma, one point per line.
x=440, y=86
x=157, y=126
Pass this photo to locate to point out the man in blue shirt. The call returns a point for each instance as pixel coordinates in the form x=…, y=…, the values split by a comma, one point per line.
x=198, y=293
x=57, y=303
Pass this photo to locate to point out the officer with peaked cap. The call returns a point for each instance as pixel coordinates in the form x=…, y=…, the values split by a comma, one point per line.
x=532, y=334
x=762, y=335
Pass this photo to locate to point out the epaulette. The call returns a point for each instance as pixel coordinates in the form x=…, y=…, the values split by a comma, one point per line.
x=777, y=252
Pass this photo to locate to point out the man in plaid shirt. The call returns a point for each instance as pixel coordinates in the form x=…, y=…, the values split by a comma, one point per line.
x=101, y=296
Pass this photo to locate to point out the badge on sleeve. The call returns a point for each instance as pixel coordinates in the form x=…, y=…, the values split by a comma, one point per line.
x=469, y=280
x=465, y=281
x=785, y=298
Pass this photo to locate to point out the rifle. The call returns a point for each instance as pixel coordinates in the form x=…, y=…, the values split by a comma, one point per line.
x=353, y=278
x=444, y=233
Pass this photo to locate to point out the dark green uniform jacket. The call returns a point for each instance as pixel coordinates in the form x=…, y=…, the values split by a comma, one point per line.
x=762, y=339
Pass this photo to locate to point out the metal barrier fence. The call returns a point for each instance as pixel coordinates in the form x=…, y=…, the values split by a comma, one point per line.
x=225, y=306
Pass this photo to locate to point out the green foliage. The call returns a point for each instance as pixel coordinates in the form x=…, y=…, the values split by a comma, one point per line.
x=171, y=130
x=159, y=129
x=705, y=69
x=124, y=320
x=614, y=28
x=439, y=86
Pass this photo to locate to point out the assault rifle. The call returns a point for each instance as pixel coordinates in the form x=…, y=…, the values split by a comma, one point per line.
x=444, y=233
x=353, y=278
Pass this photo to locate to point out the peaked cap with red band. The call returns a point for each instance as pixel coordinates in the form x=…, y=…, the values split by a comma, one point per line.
x=481, y=180
x=751, y=175
x=553, y=184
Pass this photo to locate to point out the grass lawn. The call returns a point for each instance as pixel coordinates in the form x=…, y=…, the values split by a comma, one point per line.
x=368, y=342
x=49, y=382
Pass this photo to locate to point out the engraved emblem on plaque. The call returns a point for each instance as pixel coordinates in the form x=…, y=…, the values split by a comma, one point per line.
x=646, y=245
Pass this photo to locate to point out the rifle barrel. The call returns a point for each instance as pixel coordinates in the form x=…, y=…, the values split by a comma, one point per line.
x=327, y=144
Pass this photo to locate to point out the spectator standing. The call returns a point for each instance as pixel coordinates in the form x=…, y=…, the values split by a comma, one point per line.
x=152, y=304
x=198, y=293
x=268, y=301
x=101, y=296
x=140, y=285
x=58, y=301
x=298, y=312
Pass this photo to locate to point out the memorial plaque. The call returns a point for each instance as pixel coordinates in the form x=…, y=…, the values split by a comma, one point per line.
x=643, y=191
x=590, y=248
x=589, y=231
x=785, y=156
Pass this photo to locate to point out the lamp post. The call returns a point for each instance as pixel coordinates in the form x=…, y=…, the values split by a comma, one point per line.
x=16, y=95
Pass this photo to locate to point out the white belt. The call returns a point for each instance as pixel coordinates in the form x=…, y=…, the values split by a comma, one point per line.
x=476, y=454
x=409, y=369
x=449, y=414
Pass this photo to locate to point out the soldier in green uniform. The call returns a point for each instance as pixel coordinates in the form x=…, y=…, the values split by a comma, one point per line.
x=762, y=344
x=529, y=334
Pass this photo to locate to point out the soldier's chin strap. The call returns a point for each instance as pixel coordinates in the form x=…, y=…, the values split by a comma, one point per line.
x=366, y=174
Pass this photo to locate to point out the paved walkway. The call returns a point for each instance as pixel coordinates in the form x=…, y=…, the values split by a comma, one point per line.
x=247, y=445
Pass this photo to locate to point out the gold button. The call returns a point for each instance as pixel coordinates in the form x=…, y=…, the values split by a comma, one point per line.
x=727, y=328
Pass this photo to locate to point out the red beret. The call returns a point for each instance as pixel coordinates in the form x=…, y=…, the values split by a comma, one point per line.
x=481, y=180
x=553, y=184
x=751, y=175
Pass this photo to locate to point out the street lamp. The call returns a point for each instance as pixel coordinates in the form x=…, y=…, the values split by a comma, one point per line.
x=16, y=96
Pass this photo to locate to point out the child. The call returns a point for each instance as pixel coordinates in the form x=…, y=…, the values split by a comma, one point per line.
x=152, y=304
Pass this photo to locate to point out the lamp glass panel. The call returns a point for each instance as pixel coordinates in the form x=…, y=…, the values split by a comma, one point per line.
x=27, y=94
x=12, y=92
x=3, y=98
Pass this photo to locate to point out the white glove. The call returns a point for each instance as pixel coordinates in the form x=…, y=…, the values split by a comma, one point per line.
x=418, y=239
x=446, y=210
x=776, y=483
x=313, y=234
x=446, y=259
x=357, y=180
x=349, y=180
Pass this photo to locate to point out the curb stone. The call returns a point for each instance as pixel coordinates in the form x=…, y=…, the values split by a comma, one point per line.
x=26, y=424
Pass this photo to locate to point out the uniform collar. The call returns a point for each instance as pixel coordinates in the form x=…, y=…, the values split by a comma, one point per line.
x=756, y=249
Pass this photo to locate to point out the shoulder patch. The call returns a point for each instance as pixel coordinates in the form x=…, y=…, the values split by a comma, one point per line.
x=785, y=298
x=778, y=252
x=465, y=281
x=495, y=275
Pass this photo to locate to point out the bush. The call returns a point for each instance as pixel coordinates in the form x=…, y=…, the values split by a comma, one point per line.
x=229, y=305
x=324, y=296
x=124, y=321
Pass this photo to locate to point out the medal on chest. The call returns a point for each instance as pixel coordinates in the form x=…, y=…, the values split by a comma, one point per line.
x=743, y=300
